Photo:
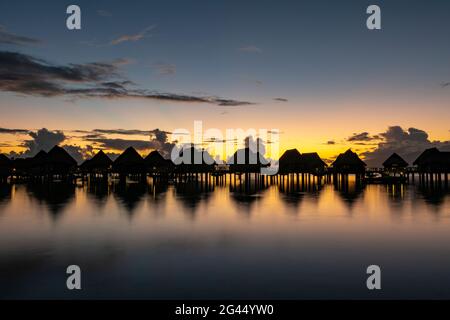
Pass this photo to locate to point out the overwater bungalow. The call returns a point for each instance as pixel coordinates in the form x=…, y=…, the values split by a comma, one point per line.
x=394, y=165
x=156, y=163
x=348, y=163
x=129, y=162
x=395, y=162
x=60, y=162
x=313, y=164
x=290, y=162
x=99, y=164
x=5, y=167
x=433, y=165
x=192, y=160
x=433, y=161
x=21, y=167
x=247, y=161
x=38, y=165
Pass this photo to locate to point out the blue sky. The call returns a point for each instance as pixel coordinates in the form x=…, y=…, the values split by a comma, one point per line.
x=318, y=55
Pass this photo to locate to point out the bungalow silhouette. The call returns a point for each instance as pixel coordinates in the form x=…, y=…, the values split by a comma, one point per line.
x=38, y=165
x=155, y=163
x=433, y=161
x=60, y=162
x=21, y=167
x=98, y=164
x=247, y=161
x=192, y=160
x=56, y=162
x=292, y=161
x=348, y=162
x=432, y=165
x=129, y=162
x=313, y=164
x=5, y=167
x=395, y=164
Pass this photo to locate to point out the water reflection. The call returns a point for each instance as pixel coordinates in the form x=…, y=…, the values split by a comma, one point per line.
x=129, y=195
x=98, y=192
x=285, y=234
x=192, y=193
x=434, y=196
x=5, y=193
x=243, y=191
x=54, y=196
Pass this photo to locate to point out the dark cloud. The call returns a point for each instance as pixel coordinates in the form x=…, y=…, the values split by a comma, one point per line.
x=27, y=75
x=408, y=144
x=331, y=142
x=281, y=99
x=14, y=131
x=42, y=139
x=158, y=140
x=445, y=84
x=11, y=38
x=363, y=136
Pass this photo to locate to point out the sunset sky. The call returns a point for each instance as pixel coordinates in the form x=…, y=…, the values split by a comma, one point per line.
x=310, y=69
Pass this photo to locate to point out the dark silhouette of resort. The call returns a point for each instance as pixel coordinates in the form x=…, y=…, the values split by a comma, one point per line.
x=431, y=167
x=132, y=178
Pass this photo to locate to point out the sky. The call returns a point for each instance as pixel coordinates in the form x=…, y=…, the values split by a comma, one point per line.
x=139, y=70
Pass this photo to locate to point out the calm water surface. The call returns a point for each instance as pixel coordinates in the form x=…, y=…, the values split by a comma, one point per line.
x=158, y=241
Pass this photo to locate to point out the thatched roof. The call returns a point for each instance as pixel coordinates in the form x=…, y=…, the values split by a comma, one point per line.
x=4, y=161
x=290, y=161
x=129, y=157
x=247, y=156
x=348, y=159
x=191, y=156
x=100, y=160
x=155, y=159
x=59, y=156
x=40, y=158
x=312, y=161
x=395, y=161
x=290, y=157
x=425, y=156
x=433, y=157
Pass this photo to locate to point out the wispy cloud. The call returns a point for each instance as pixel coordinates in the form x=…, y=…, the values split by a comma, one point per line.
x=28, y=75
x=445, y=84
x=13, y=131
x=165, y=69
x=133, y=37
x=250, y=49
x=281, y=99
x=363, y=136
x=7, y=37
x=123, y=131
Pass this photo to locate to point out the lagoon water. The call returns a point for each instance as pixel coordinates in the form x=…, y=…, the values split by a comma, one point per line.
x=162, y=241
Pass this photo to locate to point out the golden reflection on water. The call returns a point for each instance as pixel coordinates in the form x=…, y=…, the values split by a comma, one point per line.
x=245, y=224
